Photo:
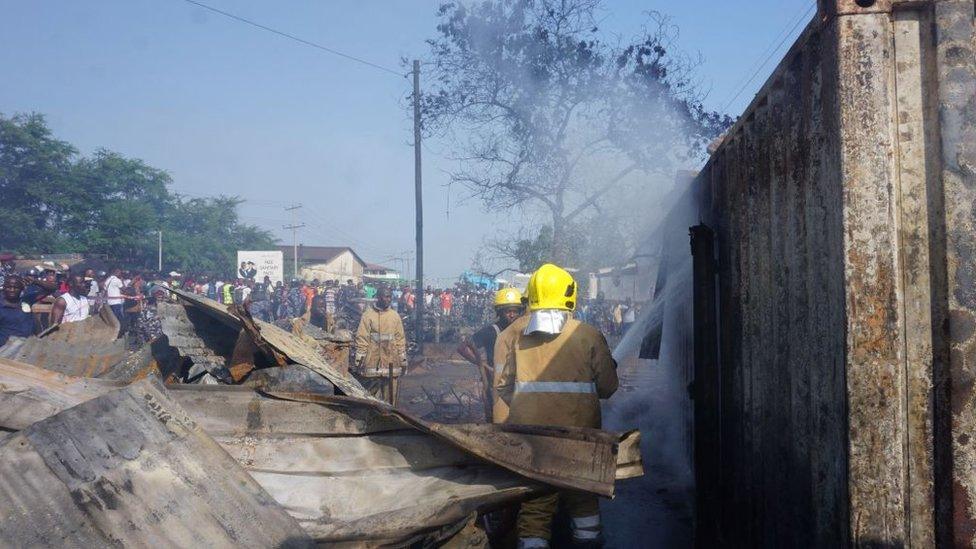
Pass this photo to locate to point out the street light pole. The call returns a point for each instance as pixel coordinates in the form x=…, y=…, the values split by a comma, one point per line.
x=159, y=262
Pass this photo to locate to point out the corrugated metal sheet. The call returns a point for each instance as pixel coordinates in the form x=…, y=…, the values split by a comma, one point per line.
x=89, y=348
x=576, y=458
x=346, y=471
x=288, y=345
x=843, y=200
x=356, y=470
x=131, y=468
x=207, y=344
x=29, y=394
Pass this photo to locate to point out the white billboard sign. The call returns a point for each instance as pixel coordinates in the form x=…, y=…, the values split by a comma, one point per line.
x=258, y=264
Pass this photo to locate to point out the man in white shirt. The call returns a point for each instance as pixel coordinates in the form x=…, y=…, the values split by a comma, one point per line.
x=72, y=306
x=113, y=293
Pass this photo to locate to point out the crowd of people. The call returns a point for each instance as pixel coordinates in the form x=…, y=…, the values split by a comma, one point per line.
x=50, y=294
x=612, y=317
x=328, y=305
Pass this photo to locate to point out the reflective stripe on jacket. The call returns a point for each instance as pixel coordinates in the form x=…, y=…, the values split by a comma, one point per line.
x=553, y=379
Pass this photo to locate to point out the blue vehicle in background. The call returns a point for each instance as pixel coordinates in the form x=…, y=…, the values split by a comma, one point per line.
x=481, y=281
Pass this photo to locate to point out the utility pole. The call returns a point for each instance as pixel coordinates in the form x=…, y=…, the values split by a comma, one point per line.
x=159, y=264
x=294, y=234
x=418, y=190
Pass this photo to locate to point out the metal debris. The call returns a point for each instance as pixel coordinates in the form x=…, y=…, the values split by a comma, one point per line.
x=29, y=394
x=574, y=458
x=102, y=460
x=89, y=348
x=196, y=337
x=131, y=468
x=283, y=345
x=355, y=470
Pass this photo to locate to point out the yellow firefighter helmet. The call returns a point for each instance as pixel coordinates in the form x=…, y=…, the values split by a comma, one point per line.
x=508, y=297
x=552, y=288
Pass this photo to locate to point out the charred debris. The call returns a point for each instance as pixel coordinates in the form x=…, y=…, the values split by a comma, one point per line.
x=231, y=431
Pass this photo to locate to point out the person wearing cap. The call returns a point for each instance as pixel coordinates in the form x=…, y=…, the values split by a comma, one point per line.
x=40, y=285
x=15, y=315
x=499, y=524
x=247, y=270
x=552, y=369
x=508, y=307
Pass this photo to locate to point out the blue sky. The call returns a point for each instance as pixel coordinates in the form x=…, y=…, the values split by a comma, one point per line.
x=229, y=109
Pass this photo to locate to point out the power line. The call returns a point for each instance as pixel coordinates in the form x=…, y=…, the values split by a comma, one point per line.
x=318, y=216
x=329, y=228
x=318, y=220
x=293, y=37
x=769, y=55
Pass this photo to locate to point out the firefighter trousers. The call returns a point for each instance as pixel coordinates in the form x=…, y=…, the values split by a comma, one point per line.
x=382, y=387
x=535, y=518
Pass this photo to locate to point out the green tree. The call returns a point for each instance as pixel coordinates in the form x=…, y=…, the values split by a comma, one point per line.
x=588, y=247
x=545, y=115
x=111, y=202
x=204, y=234
x=33, y=168
x=54, y=201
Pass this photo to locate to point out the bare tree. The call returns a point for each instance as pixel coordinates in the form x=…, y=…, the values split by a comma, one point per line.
x=544, y=114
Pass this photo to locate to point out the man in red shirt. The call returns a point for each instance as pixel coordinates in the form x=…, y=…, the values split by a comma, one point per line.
x=447, y=301
x=309, y=291
x=409, y=299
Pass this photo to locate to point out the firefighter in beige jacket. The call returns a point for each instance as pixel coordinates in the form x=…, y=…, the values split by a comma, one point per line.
x=381, y=351
x=552, y=369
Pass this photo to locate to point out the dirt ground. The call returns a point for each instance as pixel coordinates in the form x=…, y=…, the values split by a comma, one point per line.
x=443, y=390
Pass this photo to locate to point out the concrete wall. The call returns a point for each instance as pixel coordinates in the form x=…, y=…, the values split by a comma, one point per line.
x=843, y=206
x=343, y=267
x=634, y=283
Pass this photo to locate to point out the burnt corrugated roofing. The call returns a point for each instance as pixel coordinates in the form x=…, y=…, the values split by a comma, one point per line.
x=131, y=468
x=89, y=348
x=289, y=345
x=206, y=344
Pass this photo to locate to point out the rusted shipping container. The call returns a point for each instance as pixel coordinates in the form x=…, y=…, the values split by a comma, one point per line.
x=843, y=205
